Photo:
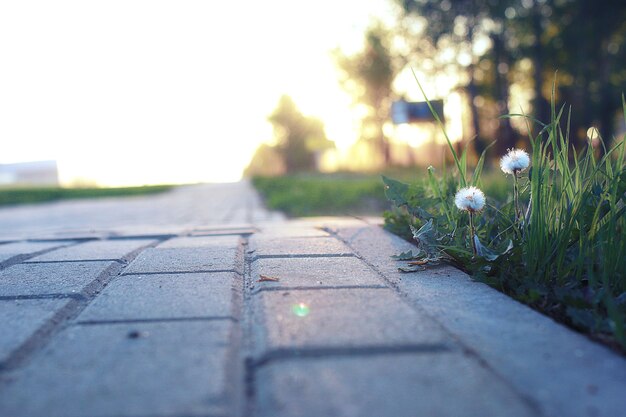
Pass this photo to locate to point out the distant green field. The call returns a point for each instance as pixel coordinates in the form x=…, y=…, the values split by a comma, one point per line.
x=343, y=193
x=31, y=195
x=323, y=194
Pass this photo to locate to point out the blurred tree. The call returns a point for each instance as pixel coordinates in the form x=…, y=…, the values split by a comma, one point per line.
x=298, y=138
x=581, y=39
x=266, y=161
x=588, y=48
x=459, y=30
x=368, y=75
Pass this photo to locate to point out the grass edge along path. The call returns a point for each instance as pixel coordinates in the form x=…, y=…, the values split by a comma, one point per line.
x=31, y=195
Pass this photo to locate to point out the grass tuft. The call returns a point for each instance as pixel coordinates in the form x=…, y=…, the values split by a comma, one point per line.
x=566, y=254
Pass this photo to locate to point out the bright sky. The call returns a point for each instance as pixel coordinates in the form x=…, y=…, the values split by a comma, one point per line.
x=149, y=91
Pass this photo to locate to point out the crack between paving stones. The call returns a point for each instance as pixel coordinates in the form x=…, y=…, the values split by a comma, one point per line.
x=53, y=296
x=467, y=350
x=120, y=261
x=300, y=255
x=234, y=368
x=323, y=352
x=249, y=389
x=201, y=271
x=321, y=288
x=156, y=320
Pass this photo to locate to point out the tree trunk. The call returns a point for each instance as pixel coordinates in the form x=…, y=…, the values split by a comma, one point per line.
x=505, y=135
x=540, y=104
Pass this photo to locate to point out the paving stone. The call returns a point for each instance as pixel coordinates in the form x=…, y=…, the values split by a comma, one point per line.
x=69, y=234
x=172, y=260
x=274, y=231
x=340, y=318
x=149, y=231
x=225, y=242
x=313, y=272
x=164, y=369
x=21, y=318
x=50, y=278
x=231, y=229
x=95, y=250
x=165, y=297
x=10, y=250
x=401, y=385
x=298, y=247
x=564, y=372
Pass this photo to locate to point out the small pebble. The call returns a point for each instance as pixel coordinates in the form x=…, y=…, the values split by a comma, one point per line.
x=136, y=334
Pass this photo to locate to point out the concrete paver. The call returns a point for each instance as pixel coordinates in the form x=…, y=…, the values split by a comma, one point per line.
x=342, y=318
x=399, y=385
x=94, y=250
x=326, y=272
x=172, y=260
x=67, y=278
x=165, y=296
x=301, y=247
x=170, y=369
x=222, y=242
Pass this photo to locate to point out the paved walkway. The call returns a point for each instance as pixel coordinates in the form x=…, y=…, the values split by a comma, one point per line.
x=234, y=312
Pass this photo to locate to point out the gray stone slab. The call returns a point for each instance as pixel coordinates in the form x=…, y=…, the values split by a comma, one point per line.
x=95, y=250
x=288, y=230
x=298, y=247
x=400, y=385
x=165, y=296
x=313, y=272
x=224, y=242
x=21, y=318
x=170, y=369
x=173, y=260
x=341, y=318
x=10, y=250
x=234, y=229
x=566, y=373
x=50, y=278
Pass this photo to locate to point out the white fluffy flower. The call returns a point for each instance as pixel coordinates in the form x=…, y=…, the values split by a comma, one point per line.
x=470, y=199
x=514, y=161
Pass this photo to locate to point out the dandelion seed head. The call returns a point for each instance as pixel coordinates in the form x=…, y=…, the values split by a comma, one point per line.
x=514, y=161
x=470, y=199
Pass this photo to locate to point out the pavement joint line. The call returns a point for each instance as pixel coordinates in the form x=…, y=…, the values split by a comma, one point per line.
x=304, y=255
x=323, y=352
x=219, y=414
x=53, y=296
x=467, y=350
x=222, y=232
x=120, y=261
x=202, y=271
x=80, y=239
x=124, y=260
x=234, y=367
x=155, y=320
x=247, y=345
x=18, y=259
x=161, y=237
x=322, y=288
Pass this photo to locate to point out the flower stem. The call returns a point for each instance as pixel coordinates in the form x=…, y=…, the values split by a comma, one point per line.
x=518, y=212
x=472, y=232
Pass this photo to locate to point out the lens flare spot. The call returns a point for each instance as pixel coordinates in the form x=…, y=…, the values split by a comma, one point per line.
x=300, y=309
